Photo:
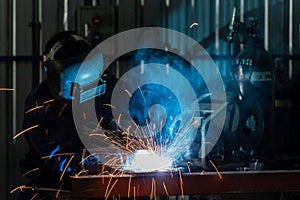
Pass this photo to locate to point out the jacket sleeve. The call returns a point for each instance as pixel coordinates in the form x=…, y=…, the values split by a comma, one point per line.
x=51, y=134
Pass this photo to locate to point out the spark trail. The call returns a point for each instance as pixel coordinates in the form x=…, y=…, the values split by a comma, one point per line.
x=7, y=89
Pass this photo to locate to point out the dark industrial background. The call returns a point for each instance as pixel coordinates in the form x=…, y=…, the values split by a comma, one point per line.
x=27, y=25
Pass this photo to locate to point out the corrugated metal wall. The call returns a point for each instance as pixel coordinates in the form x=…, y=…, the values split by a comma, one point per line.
x=278, y=21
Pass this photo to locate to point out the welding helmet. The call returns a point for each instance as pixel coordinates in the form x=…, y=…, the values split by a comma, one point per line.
x=65, y=53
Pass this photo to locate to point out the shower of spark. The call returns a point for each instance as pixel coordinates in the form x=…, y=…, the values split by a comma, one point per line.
x=215, y=167
x=32, y=109
x=57, y=154
x=193, y=24
x=156, y=119
x=165, y=188
x=61, y=111
x=135, y=148
x=58, y=191
x=7, y=89
x=32, y=127
x=21, y=187
x=48, y=101
x=30, y=171
x=110, y=189
x=132, y=151
x=66, y=167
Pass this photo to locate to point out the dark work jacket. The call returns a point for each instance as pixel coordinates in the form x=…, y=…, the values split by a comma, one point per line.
x=54, y=141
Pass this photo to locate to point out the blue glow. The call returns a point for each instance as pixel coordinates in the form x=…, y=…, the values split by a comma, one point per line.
x=61, y=166
x=87, y=74
x=149, y=95
x=174, y=61
x=54, y=151
x=45, y=68
x=180, y=127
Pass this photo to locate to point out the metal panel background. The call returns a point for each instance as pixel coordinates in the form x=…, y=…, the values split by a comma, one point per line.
x=4, y=99
x=212, y=17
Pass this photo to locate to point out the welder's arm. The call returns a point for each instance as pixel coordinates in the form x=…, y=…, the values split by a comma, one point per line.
x=53, y=139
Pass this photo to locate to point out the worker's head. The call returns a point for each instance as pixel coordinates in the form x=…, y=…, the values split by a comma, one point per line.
x=63, y=58
x=65, y=44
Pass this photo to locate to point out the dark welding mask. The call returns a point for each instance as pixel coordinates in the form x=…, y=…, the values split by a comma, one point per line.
x=76, y=77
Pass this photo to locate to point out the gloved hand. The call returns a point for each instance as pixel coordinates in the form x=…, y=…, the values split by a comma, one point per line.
x=93, y=165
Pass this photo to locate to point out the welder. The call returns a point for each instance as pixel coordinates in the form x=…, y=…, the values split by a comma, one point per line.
x=55, y=149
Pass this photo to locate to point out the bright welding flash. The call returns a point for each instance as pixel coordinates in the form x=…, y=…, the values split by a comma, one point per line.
x=147, y=161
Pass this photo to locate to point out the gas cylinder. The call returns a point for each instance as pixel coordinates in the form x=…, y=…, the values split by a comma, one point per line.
x=252, y=71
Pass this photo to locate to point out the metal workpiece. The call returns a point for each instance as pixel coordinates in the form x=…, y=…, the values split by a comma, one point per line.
x=180, y=184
